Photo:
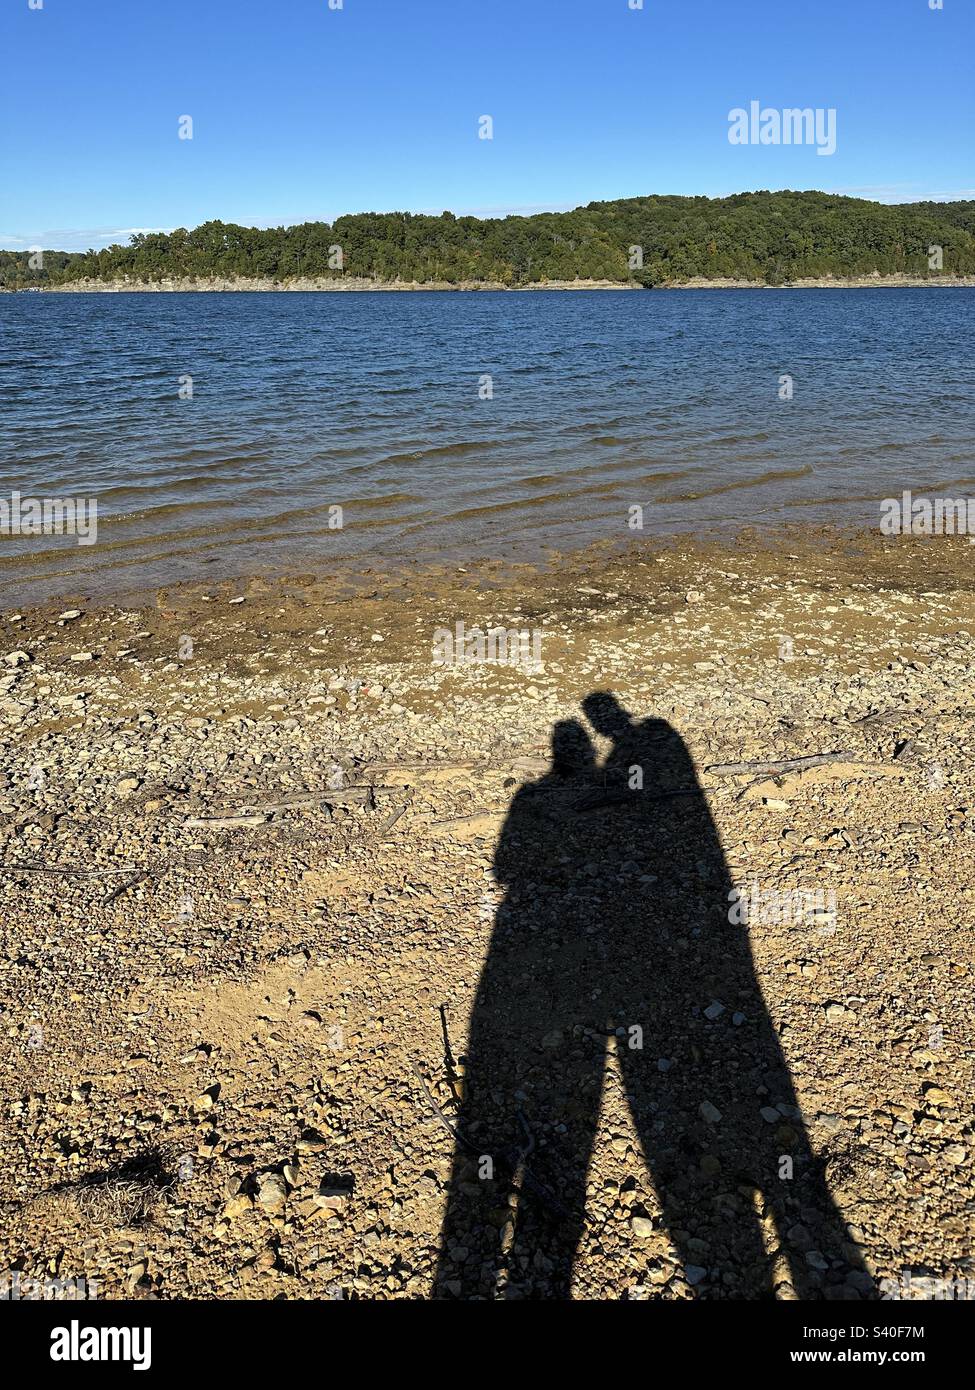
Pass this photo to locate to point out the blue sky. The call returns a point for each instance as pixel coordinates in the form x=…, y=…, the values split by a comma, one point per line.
x=301, y=111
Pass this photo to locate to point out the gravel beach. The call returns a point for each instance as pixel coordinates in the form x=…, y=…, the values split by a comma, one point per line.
x=249, y=843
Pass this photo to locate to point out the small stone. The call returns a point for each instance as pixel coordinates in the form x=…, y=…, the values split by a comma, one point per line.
x=237, y=1206
x=272, y=1191
x=642, y=1227
x=710, y=1112
x=934, y=1095
x=332, y=1197
x=770, y=1116
x=714, y=1010
x=694, y=1273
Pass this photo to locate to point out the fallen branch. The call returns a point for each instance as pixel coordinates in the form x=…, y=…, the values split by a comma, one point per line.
x=248, y=813
x=331, y=796
x=449, y=1065
x=223, y=822
x=124, y=887
x=390, y=821
x=62, y=869
x=419, y=767
x=770, y=769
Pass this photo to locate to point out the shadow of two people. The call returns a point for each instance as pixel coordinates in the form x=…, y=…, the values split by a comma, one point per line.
x=614, y=937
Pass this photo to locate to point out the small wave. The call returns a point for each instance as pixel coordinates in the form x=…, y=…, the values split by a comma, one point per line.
x=726, y=441
x=439, y=451
x=780, y=475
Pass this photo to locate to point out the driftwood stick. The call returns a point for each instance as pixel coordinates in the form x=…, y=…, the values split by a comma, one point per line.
x=63, y=869
x=223, y=822
x=124, y=887
x=453, y=1130
x=770, y=769
x=297, y=800
x=448, y=1056
x=255, y=812
x=420, y=766
x=391, y=820
x=449, y=1065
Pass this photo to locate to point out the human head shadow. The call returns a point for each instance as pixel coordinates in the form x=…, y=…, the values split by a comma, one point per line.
x=613, y=948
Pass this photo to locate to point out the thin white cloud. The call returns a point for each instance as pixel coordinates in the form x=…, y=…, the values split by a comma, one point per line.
x=73, y=238
x=903, y=193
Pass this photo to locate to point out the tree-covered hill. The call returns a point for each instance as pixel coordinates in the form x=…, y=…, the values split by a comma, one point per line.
x=775, y=237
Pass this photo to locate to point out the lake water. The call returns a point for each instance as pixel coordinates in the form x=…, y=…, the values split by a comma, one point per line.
x=378, y=403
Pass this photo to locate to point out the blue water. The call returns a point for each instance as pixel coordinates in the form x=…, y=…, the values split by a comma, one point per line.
x=601, y=401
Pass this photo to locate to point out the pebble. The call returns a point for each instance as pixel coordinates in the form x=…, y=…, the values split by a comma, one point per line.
x=272, y=1191
x=934, y=1095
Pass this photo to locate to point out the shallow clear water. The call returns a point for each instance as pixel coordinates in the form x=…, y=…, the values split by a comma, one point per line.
x=601, y=401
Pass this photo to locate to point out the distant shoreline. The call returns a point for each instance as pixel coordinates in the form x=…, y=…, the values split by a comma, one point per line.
x=328, y=285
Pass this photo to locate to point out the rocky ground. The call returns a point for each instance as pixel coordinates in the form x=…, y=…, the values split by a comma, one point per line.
x=247, y=840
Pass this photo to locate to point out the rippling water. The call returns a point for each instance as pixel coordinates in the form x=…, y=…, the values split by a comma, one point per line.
x=601, y=401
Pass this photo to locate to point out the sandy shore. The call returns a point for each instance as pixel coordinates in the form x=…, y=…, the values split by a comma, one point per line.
x=351, y=284
x=248, y=837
